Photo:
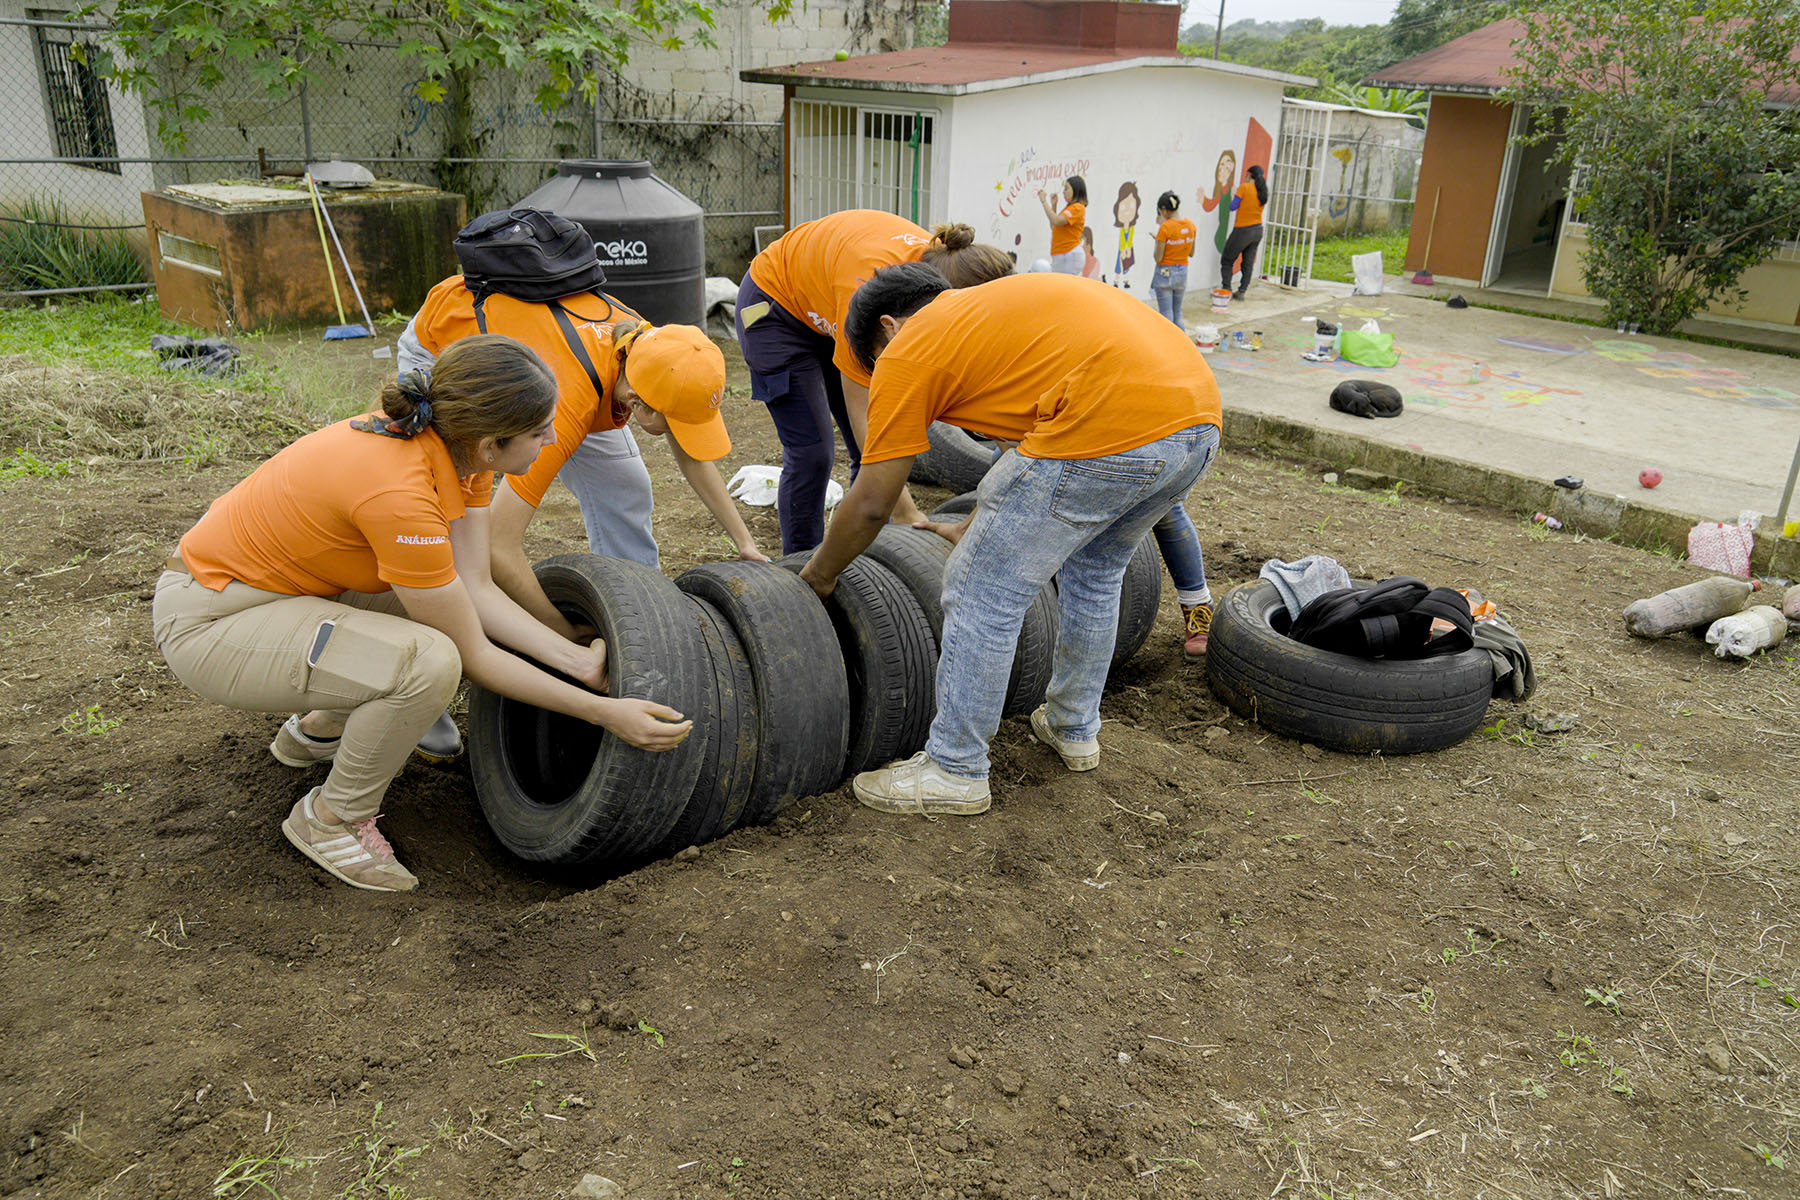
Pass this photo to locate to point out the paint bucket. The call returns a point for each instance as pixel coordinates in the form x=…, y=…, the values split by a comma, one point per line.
x=1290, y=277
x=1221, y=299
x=1206, y=338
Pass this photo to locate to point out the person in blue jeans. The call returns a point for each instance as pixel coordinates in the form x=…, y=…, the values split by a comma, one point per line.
x=1175, y=236
x=1115, y=416
x=1179, y=543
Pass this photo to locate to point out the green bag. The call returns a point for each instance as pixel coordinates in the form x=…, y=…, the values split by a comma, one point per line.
x=1367, y=349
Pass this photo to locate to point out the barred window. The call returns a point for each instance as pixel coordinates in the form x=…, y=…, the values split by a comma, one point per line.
x=79, y=109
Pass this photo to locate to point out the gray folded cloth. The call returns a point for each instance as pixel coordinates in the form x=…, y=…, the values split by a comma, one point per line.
x=1307, y=579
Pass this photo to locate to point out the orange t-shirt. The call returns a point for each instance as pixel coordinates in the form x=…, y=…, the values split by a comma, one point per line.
x=1064, y=238
x=1066, y=366
x=1177, y=236
x=813, y=269
x=1250, y=209
x=448, y=315
x=339, y=510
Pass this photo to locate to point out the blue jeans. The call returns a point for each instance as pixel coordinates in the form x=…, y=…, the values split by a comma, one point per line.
x=1080, y=520
x=1169, y=287
x=791, y=371
x=1180, y=546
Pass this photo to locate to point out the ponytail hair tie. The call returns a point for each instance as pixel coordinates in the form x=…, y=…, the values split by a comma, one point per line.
x=415, y=385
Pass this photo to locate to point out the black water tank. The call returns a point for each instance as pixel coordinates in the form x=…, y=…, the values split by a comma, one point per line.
x=651, y=237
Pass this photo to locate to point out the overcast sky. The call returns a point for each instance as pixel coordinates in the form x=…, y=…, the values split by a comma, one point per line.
x=1332, y=12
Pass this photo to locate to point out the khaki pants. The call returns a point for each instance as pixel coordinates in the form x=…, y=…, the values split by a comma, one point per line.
x=246, y=648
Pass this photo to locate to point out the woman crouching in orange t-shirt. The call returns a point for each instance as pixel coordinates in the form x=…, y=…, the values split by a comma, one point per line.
x=348, y=576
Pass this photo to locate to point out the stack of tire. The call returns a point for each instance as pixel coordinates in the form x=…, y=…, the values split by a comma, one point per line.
x=789, y=696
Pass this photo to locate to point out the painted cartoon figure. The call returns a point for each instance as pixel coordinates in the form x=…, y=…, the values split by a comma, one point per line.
x=1125, y=215
x=1224, y=184
x=1090, y=267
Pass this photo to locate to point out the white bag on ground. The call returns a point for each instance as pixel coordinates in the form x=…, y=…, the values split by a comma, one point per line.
x=1367, y=270
x=758, y=487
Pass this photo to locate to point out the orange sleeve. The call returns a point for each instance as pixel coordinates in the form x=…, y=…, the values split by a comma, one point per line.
x=903, y=401
x=478, y=489
x=448, y=315
x=409, y=537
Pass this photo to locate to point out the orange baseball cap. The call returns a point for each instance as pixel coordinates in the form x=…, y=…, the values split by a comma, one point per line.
x=678, y=371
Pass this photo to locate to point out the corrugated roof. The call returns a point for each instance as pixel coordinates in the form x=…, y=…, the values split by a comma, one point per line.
x=957, y=69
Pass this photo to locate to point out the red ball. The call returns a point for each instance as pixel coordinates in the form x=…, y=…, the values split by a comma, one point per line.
x=1649, y=477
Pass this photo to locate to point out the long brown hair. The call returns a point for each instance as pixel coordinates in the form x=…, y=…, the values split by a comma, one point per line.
x=956, y=256
x=480, y=387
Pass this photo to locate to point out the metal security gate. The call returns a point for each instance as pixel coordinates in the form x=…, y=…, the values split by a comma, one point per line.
x=854, y=156
x=1296, y=191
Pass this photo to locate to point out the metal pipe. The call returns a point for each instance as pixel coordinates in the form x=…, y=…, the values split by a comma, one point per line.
x=1787, y=493
x=104, y=287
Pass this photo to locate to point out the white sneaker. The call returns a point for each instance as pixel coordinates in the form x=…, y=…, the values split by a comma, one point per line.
x=1077, y=756
x=356, y=854
x=919, y=785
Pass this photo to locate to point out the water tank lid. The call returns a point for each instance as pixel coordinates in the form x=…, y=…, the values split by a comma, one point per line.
x=618, y=168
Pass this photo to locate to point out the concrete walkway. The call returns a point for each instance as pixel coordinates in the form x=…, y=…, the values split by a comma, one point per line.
x=1534, y=397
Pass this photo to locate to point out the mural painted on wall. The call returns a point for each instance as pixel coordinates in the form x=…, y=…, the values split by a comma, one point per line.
x=1016, y=224
x=1125, y=215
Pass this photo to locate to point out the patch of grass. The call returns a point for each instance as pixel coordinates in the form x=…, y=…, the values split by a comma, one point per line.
x=255, y=1174
x=23, y=464
x=41, y=249
x=90, y=722
x=571, y=1044
x=1331, y=256
x=380, y=1162
x=112, y=332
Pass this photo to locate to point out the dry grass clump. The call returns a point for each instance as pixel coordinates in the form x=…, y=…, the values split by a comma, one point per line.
x=70, y=411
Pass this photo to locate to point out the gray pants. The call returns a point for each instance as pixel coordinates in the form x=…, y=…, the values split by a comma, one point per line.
x=612, y=486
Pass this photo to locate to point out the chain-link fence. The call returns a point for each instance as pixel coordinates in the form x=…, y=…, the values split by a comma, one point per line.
x=76, y=153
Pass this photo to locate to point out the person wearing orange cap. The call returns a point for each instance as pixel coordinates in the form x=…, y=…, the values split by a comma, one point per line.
x=587, y=341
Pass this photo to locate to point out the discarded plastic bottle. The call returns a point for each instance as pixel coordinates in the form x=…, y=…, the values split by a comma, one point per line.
x=1687, y=607
x=1790, y=603
x=1742, y=634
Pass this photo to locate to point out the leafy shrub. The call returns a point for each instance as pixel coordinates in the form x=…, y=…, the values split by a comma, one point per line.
x=43, y=247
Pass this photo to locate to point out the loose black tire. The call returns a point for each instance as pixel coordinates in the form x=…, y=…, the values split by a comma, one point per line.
x=919, y=562
x=956, y=506
x=555, y=789
x=728, y=762
x=890, y=662
x=1337, y=701
x=797, y=673
x=957, y=459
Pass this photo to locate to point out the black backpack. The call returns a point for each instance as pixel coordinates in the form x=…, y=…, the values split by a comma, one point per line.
x=528, y=254
x=1391, y=619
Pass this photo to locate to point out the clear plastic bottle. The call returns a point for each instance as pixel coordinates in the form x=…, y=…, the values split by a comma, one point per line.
x=1687, y=607
x=1790, y=603
x=1742, y=634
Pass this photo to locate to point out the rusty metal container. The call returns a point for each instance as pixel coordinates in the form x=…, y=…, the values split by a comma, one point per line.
x=238, y=256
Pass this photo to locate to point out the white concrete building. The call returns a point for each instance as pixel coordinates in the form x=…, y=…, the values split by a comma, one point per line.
x=1025, y=93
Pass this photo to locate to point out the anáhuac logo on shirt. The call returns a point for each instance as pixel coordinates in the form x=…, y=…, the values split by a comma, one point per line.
x=623, y=253
x=414, y=539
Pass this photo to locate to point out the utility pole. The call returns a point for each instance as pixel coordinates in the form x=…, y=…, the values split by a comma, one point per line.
x=1219, y=30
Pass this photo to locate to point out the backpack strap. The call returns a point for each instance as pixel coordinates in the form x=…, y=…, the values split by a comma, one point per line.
x=1451, y=606
x=576, y=348
x=480, y=311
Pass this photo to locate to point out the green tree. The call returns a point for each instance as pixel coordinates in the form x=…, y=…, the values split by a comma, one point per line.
x=1421, y=25
x=1412, y=103
x=1687, y=169
x=176, y=53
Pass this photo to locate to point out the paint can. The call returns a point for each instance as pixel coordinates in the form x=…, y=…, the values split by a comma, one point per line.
x=1221, y=298
x=1242, y=339
x=1206, y=338
x=1256, y=339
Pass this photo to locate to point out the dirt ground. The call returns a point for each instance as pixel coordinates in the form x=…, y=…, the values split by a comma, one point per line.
x=1222, y=965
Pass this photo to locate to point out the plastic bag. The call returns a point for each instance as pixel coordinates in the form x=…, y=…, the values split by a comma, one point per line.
x=1368, y=349
x=1367, y=270
x=1721, y=547
x=757, y=486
